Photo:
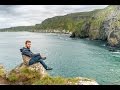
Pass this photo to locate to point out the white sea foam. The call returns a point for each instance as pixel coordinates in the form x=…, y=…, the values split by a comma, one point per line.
x=116, y=56
x=116, y=52
x=103, y=45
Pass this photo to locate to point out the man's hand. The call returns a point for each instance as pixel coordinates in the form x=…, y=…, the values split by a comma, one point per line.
x=43, y=56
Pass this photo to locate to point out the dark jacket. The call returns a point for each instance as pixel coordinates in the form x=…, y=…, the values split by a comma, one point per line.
x=27, y=52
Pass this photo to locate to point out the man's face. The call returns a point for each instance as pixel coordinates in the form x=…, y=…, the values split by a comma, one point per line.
x=28, y=45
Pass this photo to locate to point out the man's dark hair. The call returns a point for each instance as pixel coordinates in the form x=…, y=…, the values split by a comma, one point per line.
x=27, y=41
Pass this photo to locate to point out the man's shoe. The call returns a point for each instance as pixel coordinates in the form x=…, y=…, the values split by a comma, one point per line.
x=49, y=68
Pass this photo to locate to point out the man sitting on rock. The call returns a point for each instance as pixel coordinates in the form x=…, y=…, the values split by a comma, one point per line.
x=34, y=57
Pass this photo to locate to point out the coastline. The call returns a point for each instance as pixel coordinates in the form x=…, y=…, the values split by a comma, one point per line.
x=63, y=32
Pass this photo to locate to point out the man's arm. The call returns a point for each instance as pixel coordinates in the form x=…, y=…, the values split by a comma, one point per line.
x=27, y=53
x=37, y=54
x=41, y=56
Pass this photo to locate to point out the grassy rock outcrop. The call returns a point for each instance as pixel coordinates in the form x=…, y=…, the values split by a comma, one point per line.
x=35, y=75
x=23, y=74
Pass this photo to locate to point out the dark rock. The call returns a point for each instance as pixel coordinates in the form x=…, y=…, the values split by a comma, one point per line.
x=72, y=35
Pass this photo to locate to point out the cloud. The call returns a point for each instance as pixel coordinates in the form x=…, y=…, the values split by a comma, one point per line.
x=24, y=15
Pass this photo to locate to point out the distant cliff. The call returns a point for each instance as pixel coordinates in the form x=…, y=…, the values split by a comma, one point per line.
x=100, y=24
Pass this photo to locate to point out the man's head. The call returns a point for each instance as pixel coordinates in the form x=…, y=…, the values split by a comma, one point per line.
x=27, y=43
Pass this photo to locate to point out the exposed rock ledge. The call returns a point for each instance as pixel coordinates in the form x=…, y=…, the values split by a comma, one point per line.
x=37, y=75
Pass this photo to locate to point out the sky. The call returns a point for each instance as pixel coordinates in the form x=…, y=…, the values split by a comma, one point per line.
x=25, y=15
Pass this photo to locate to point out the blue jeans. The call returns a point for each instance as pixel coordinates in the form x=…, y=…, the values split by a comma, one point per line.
x=37, y=58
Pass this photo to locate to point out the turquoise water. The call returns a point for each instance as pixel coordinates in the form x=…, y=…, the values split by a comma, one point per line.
x=68, y=57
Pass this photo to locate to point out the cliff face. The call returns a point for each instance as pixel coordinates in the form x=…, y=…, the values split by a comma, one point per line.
x=110, y=26
x=103, y=24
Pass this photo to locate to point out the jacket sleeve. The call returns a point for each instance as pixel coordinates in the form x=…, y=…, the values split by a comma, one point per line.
x=27, y=53
x=37, y=54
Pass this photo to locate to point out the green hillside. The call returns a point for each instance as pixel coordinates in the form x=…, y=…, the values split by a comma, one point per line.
x=99, y=24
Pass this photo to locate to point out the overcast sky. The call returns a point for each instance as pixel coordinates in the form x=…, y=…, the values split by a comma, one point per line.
x=24, y=15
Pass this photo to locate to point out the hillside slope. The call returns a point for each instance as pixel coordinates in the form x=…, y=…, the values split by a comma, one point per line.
x=99, y=24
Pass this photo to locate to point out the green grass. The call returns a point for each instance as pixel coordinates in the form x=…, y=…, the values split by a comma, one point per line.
x=48, y=80
x=25, y=75
x=2, y=73
x=29, y=77
x=12, y=77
